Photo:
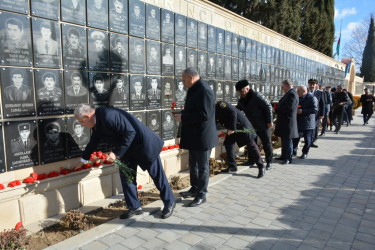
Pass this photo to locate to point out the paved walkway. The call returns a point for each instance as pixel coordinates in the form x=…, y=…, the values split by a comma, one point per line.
x=323, y=202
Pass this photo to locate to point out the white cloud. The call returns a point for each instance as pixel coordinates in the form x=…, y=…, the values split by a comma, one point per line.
x=345, y=12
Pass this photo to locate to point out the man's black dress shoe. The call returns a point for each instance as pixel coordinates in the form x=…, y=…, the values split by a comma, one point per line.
x=168, y=211
x=269, y=166
x=313, y=145
x=262, y=171
x=131, y=213
x=303, y=156
x=188, y=194
x=286, y=162
x=231, y=169
x=197, y=201
x=279, y=158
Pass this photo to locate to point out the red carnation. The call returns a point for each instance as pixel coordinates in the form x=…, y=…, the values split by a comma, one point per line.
x=14, y=183
x=107, y=162
x=170, y=147
x=41, y=177
x=34, y=176
x=173, y=105
x=1, y=187
x=19, y=226
x=77, y=169
x=176, y=146
x=182, y=107
x=18, y=182
x=53, y=174
x=97, y=163
x=29, y=180
x=139, y=187
x=299, y=106
x=86, y=166
x=65, y=171
x=164, y=149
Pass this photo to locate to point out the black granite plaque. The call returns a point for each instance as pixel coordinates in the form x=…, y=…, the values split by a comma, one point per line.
x=21, y=6
x=247, y=70
x=253, y=72
x=153, y=92
x=152, y=22
x=168, y=125
x=219, y=90
x=180, y=60
x=212, y=85
x=259, y=52
x=52, y=140
x=228, y=92
x=137, y=18
x=141, y=116
x=248, y=49
x=235, y=95
x=153, y=58
x=167, y=92
x=228, y=43
x=180, y=93
x=154, y=121
x=98, y=50
x=235, y=44
x=74, y=47
x=167, y=60
x=258, y=68
x=46, y=8
x=76, y=89
x=167, y=26
x=15, y=39
x=202, y=36
x=262, y=73
x=220, y=38
x=18, y=92
x=241, y=69
x=21, y=143
x=97, y=14
x=119, y=94
x=228, y=68
x=269, y=54
x=73, y=11
x=119, y=53
x=137, y=92
x=46, y=41
x=77, y=138
x=202, y=63
x=264, y=53
x=180, y=27
x=281, y=57
x=211, y=65
x=235, y=73
x=211, y=38
x=253, y=55
x=137, y=55
x=219, y=66
x=191, y=60
x=241, y=47
x=99, y=89
x=49, y=92
x=192, y=33
x=118, y=16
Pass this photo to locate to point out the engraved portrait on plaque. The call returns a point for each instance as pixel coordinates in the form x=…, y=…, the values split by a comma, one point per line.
x=219, y=90
x=167, y=26
x=192, y=58
x=46, y=40
x=167, y=92
x=180, y=36
x=46, y=8
x=15, y=40
x=247, y=70
x=2, y=156
x=180, y=60
x=227, y=92
x=235, y=96
x=248, y=49
x=119, y=53
x=235, y=43
x=99, y=89
x=235, y=69
x=76, y=89
x=137, y=92
x=153, y=122
x=137, y=18
x=118, y=16
x=228, y=68
x=98, y=50
x=167, y=60
x=73, y=11
x=241, y=69
x=18, y=92
x=219, y=66
x=152, y=22
x=202, y=36
x=211, y=65
x=153, y=58
x=253, y=56
x=52, y=140
x=21, y=143
x=192, y=30
x=180, y=93
x=137, y=55
x=212, y=85
x=141, y=116
x=228, y=43
x=168, y=125
x=21, y=6
x=220, y=41
x=78, y=137
x=241, y=47
x=119, y=94
x=264, y=53
x=202, y=63
x=211, y=38
x=269, y=54
x=153, y=92
x=259, y=52
x=74, y=47
x=97, y=14
x=49, y=94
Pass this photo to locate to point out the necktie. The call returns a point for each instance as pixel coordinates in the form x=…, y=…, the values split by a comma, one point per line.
x=25, y=144
x=154, y=94
x=46, y=47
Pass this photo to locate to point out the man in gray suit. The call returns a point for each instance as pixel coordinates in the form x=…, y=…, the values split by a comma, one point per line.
x=46, y=45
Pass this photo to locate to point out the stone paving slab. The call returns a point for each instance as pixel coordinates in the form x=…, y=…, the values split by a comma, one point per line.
x=323, y=202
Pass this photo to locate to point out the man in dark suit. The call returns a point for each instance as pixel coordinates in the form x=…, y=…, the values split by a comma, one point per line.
x=23, y=143
x=198, y=132
x=313, y=87
x=232, y=119
x=307, y=109
x=259, y=112
x=367, y=101
x=340, y=102
x=132, y=143
x=76, y=89
x=327, y=107
x=286, y=123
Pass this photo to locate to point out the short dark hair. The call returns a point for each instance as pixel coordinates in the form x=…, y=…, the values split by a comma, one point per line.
x=73, y=31
x=287, y=82
x=15, y=21
x=98, y=78
x=49, y=75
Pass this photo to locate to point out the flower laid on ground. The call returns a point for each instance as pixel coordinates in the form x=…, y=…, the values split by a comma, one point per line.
x=164, y=148
x=53, y=174
x=14, y=183
x=41, y=177
x=1, y=187
x=18, y=226
x=29, y=180
x=65, y=171
x=177, y=146
x=170, y=147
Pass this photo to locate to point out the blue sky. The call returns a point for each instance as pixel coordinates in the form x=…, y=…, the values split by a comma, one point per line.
x=352, y=13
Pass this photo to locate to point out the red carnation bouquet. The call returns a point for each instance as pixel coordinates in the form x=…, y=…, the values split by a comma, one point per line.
x=175, y=110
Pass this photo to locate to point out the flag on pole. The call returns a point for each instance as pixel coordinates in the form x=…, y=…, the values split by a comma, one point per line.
x=338, y=45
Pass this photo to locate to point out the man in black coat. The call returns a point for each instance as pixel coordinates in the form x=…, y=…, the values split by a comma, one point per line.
x=198, y=132
x=313, y=87
x=349, y=108
x=259, y=112
x=340, y=101
x=367, y=101
x=286, y=122
x=132, y=143
x=328, y=102
x=307, y=109
x=232, y=119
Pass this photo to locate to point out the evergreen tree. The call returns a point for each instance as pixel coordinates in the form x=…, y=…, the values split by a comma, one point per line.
x=368, y=61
